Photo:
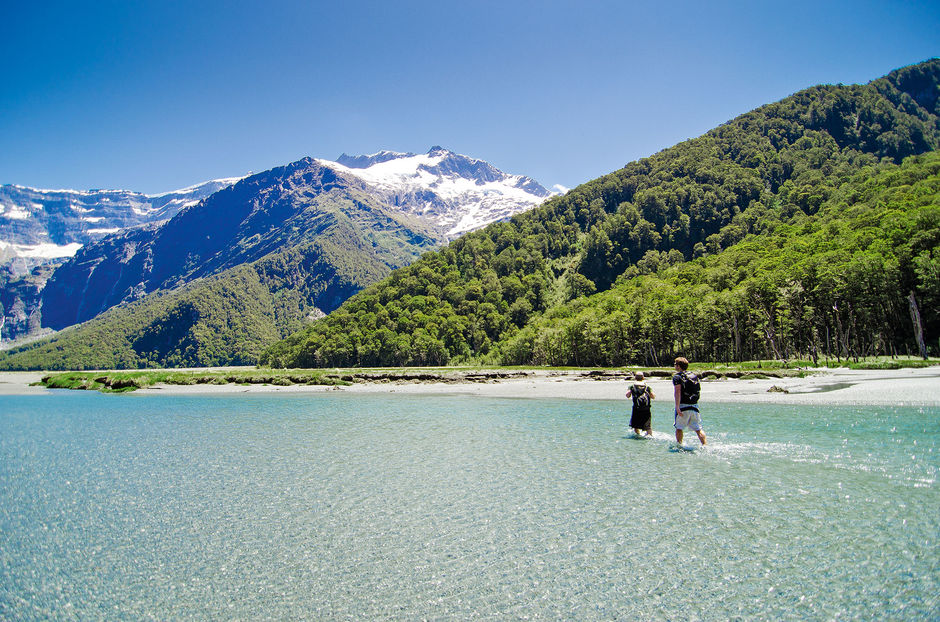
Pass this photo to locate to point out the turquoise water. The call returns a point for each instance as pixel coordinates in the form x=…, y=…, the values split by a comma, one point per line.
x=335, y=506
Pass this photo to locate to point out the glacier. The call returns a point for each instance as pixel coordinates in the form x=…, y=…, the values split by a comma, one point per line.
x=454, y=192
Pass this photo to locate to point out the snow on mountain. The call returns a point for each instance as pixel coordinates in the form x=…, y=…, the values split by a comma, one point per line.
x=37, y=226
x=455, y=192
x=40, y=251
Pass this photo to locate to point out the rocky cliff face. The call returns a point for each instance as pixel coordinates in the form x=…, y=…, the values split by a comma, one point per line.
x=42, y=229
x=21, y=303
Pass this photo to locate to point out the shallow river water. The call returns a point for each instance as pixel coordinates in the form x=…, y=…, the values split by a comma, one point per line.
x=333, y=506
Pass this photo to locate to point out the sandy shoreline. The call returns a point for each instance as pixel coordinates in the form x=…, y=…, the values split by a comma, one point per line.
x=913, y=387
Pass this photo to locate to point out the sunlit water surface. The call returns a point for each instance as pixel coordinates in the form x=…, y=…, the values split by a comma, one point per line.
x=331, y=506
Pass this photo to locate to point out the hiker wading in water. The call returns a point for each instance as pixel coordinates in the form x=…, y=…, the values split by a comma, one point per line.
x=642, y=417
x=688, y=389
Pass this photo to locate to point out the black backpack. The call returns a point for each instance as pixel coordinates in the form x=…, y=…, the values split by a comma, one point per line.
x=641, y=397
x=691, y=388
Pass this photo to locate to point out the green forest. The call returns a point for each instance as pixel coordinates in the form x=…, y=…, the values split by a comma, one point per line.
x=836, y=285
x=226, y=319
x=805, y=228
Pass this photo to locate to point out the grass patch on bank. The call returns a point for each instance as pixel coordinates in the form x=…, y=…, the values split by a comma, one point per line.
x=868, y=363
x=124, y=381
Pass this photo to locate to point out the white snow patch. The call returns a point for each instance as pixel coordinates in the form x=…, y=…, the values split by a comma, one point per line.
x=226, y=181
x=14, y=212
x=54, y=191
x=42, y=251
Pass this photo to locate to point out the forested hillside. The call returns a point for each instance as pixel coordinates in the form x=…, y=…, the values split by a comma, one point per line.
x=229, y=318
x=693, y=215
x=833, y=286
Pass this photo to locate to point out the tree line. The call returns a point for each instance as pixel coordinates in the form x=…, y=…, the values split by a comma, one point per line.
x=837, y=286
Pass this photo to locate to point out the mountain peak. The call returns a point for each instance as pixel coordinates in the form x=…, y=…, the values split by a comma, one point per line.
x=456, y=192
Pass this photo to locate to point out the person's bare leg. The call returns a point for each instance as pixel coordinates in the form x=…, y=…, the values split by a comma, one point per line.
x=701, y=436
x=679, y=436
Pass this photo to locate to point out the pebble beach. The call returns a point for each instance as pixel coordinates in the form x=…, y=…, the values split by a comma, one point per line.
x=910, y=387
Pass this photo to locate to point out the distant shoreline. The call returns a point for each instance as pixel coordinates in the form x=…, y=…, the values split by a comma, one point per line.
x=913, y=387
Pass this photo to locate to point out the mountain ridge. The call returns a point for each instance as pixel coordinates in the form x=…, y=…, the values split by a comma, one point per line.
x=238, y=224
x=42, y=225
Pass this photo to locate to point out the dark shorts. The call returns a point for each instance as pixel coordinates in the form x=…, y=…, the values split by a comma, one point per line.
x=641, y=419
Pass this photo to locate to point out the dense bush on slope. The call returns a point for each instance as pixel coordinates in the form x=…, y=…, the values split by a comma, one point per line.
x=200, y=322
x=836, y=286
x=226, y=319
x=778, y=164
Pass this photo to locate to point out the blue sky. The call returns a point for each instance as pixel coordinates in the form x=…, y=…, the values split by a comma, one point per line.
x=154, y=96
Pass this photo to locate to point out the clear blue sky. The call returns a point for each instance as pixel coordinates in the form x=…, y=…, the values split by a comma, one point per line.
x=157, y=95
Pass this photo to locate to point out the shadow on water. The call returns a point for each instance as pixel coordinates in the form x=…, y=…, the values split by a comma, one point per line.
x=836, y=386
x=826, y=388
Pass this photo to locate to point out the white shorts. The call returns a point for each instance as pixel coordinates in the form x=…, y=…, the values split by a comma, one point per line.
x=688, y=417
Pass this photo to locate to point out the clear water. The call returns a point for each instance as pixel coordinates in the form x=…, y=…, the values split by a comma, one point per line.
x=334, y=506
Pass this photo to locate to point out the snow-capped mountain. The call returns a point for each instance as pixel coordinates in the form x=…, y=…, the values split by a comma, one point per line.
x=453, y=192
x=383, y=210
x=38, y=226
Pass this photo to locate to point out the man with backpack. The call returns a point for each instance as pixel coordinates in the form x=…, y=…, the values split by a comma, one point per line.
x=688, y=388
x=642, y=417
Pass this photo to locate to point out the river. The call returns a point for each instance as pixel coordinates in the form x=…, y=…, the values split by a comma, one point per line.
x=338, y=506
